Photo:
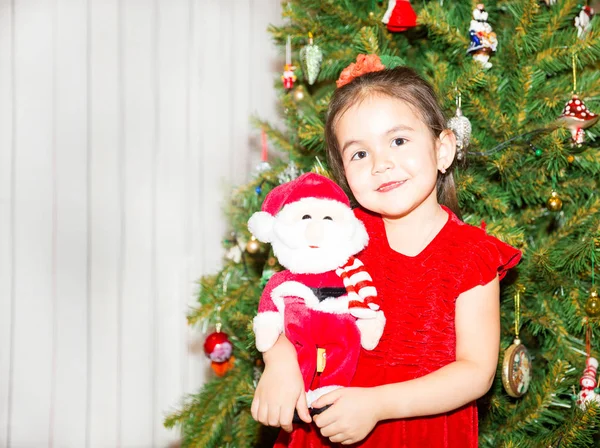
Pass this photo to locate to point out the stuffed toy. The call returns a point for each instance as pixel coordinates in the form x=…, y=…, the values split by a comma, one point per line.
x=325, y=301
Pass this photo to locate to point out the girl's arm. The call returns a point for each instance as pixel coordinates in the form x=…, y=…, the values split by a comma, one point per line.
x=356, y=410
x=466, y=379
x=280, y=389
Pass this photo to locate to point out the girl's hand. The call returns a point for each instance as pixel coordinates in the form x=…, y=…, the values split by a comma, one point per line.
x=280, y=389
x=352, y=416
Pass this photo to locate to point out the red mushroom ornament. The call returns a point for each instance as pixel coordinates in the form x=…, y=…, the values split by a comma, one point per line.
x=577, y=117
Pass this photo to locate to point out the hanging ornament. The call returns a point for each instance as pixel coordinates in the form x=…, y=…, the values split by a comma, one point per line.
x=577, y=117
x=288, y=77
x=583, y=21
x=554, y=203
x=399, y=16
x=234, y=254
x=516, y=364
x=461, y=127
x=570, y=158
x=264, y=165
x=290, y=173
x=592, y=306
x=311, y=57
x=219, y=350
x=588, y=382
x=298, y=94
x=483, y=39
x=253, y=245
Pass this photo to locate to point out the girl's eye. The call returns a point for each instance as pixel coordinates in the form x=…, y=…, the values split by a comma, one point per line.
x=398, y=141
x=329, y=218
x=359, y=155
x=306, y=217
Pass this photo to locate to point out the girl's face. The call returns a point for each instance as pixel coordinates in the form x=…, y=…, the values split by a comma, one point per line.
x=390, y=158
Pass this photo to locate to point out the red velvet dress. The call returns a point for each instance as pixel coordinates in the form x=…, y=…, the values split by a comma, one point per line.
x=418, y=297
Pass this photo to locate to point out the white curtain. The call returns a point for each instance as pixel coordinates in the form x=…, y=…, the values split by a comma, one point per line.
x=123, y=124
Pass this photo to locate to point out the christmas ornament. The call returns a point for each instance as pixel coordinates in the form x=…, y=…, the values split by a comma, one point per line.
x=592, y=306
x=554, y=202
x=253, y=245
x=290, y=173
x=583, y=21
x=570, y=158
x=263, y=165
x=221, y=368
x=577, y=117
x=217, y=346
x=483, y=39
x=550, y=2
x=399, y=16
x=234, y=254
x=219, y=350
x=461, y=127
x=588, y=384
x=516, y=364
x=288, y=77
x=311, y=57
x=298, y=94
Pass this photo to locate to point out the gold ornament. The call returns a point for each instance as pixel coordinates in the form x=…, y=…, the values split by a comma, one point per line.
x=371, y=14
x=554, y=202
x=592, y=306
x=516, y=365
x=253, y=246
x=298, y=94
x=570, y=158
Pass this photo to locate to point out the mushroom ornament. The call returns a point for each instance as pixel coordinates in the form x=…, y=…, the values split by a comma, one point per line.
x=577, y=117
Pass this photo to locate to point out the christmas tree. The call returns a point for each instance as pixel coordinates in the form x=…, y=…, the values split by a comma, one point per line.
x=527, y=75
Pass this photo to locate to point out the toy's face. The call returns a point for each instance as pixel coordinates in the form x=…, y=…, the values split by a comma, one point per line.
x=314, y=235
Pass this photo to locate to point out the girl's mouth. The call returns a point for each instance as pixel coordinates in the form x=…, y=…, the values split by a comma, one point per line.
x=389, y=186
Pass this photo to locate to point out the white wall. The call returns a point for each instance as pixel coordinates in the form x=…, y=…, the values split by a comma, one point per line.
x=122, y=125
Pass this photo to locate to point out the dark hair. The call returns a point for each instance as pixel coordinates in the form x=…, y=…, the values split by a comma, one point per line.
x=402, y=83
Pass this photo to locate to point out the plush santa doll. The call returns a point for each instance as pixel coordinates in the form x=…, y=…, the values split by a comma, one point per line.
x=325, y=300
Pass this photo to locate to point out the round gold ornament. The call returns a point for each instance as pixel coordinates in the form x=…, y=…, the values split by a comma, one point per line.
x=298, y=94
x=570, y=158
x=253, y=246
x=516, y=369
x=554, y=202
x=592, y=306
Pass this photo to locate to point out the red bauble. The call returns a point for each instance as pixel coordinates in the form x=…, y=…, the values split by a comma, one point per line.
x=217, y=347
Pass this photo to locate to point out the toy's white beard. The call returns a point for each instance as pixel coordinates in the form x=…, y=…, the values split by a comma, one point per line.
x=338, y=244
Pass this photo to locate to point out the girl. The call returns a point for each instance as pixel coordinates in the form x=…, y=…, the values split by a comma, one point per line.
x=437, y=278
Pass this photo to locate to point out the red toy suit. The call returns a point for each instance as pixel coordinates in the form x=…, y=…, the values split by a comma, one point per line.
x=419, y=294
x=316, y=315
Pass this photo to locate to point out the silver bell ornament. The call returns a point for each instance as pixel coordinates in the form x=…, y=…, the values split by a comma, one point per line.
x=461, y=126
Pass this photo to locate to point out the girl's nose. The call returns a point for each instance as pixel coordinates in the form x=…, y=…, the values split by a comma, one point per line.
x=382, y=162
x=314, y=232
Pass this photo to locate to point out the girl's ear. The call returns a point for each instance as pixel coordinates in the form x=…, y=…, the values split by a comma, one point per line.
x=446, y=150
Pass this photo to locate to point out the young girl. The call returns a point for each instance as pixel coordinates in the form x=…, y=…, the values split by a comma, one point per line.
x=437, y=279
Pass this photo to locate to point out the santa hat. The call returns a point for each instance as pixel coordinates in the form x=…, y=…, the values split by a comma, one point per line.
x=309, y=185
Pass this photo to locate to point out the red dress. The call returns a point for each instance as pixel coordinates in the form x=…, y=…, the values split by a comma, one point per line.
x=418, y=297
